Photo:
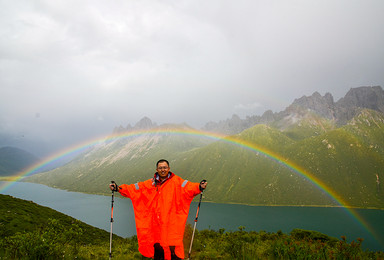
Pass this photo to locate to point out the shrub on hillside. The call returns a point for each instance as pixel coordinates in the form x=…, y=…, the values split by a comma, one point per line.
x=47, y=242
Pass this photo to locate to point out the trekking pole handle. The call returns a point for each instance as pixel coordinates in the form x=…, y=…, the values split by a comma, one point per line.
x=201, y=196
x=113, y=200
x=202, y=182
x=115, y=186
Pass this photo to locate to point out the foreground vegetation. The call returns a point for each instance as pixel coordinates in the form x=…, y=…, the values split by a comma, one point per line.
x=299, y=244
x=30, y=231
x=55, y=241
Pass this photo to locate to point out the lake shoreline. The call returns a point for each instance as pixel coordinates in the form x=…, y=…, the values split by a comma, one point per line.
x=230, y=203
x=95, y=210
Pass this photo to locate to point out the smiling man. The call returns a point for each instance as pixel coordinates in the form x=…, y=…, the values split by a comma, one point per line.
x=161, y=206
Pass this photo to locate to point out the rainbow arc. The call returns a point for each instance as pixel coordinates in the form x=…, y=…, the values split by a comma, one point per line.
x=297, y=169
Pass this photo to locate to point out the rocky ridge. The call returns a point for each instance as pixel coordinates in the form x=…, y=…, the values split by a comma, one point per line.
x=339, y=112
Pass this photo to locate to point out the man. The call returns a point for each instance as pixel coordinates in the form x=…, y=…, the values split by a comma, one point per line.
x=161, y=207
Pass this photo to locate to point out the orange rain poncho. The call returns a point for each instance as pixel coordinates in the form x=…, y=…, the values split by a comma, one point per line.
x=161, y=211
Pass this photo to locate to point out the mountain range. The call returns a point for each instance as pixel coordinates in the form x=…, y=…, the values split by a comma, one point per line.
x=337, y=148
x=339, y=112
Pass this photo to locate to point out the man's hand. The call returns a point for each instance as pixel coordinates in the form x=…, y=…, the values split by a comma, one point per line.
x=113, y=186
x=203, y=185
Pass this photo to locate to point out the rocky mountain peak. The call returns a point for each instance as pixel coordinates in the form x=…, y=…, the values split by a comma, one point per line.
x=145, y=123
x=321, y=105
x=229, y=126
x=364, y=97
x=357, y=98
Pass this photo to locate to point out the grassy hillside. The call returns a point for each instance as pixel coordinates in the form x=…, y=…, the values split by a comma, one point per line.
x=30, y=231
x=243, y=176
x=309, y=125
x=18, y=215
x=346, y=159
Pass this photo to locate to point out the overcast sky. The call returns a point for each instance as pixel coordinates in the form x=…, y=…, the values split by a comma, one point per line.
x=71, y=70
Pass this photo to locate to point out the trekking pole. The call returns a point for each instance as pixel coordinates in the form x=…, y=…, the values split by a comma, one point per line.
x=194, y=227
x=110, y=236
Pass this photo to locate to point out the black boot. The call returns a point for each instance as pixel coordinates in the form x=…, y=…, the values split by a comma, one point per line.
x=159, y=252
x=173, y=254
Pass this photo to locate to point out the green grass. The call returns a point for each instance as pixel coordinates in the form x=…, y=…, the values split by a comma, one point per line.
x=299, y=244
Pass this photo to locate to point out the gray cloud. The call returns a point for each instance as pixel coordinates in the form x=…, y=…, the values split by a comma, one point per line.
x=85, y=67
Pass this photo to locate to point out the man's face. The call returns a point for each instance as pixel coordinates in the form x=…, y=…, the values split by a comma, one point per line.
x=163, y=170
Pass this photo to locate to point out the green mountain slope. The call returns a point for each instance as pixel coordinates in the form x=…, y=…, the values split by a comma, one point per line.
x=310, y=125
x=14, y=160
x=239, y=175
x=125, y=159
x=345, y=159
x=18, y=215
x=31, y=231
x=345, y=164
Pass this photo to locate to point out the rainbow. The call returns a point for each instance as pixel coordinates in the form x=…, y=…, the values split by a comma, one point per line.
x=191, y=132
